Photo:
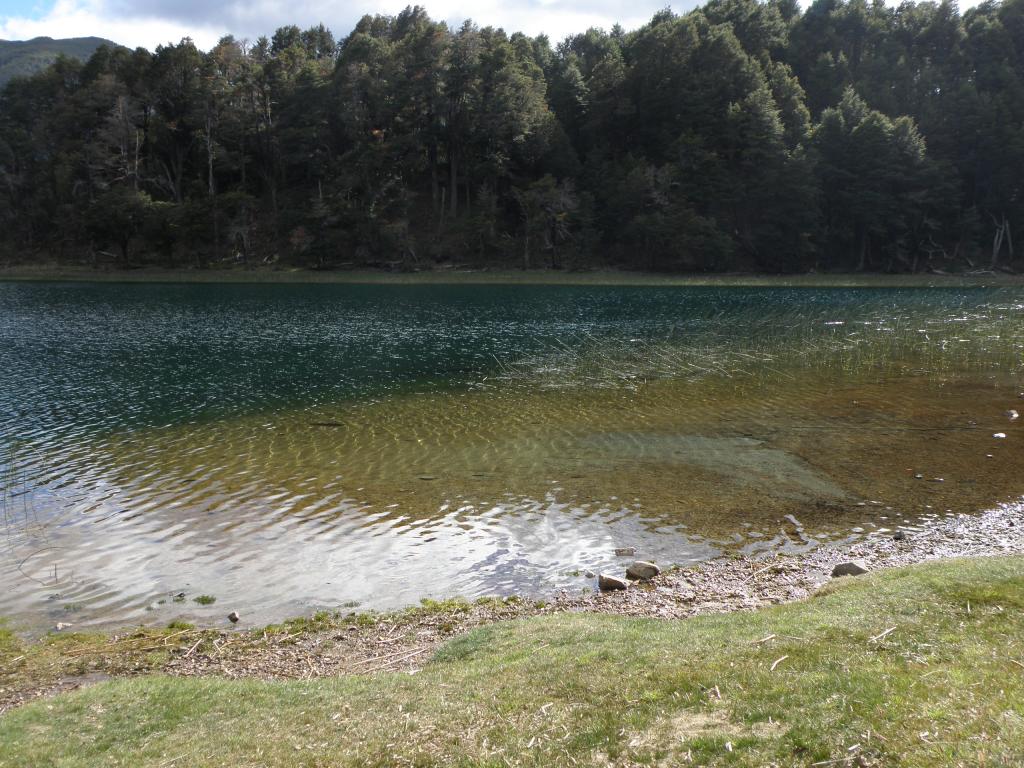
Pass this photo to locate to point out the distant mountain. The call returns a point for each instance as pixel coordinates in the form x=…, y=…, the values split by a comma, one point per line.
x=26, y=57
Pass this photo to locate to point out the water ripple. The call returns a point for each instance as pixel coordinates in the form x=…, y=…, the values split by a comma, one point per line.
x=290, y=447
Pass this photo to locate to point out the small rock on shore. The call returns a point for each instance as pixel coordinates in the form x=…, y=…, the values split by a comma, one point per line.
x=850, y=568
x=642, y=571
x=608, y=583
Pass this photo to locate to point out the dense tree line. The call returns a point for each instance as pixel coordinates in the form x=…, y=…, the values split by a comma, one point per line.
x=742, y=135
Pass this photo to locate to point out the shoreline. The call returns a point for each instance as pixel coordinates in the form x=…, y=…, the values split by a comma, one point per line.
x=328, y=645
x=483, y=276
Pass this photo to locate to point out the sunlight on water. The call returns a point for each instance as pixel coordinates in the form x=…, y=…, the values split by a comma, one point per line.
x=286, y=448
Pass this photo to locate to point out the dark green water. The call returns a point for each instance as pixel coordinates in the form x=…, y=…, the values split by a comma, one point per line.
x=291, y=447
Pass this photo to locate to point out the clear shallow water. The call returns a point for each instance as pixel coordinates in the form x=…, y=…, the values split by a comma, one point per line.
x=286, y=448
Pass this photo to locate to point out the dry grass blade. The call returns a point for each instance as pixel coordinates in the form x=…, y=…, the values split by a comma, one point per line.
x=372, y=659
x=398, y=660
x=758, y=572
x=191, y=650
x=878, y=637
x=176, y=634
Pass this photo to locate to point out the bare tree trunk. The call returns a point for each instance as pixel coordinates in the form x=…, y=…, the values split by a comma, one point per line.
x=454, y=186
x=209, y=159
x=433, y=176
x=170, y=180
x=997, y=239
x=212, y=187
x=135, y=170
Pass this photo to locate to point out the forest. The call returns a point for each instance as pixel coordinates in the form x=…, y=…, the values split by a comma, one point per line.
x=740, y=136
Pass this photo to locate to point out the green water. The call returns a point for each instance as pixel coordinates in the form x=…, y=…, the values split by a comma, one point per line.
x=292, y=447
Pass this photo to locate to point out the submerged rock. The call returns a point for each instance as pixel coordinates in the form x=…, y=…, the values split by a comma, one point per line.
x=899, y=536
x=233, y=617
x=850, y=568
x=625, y=551
x=642, y=571
x=608, y=583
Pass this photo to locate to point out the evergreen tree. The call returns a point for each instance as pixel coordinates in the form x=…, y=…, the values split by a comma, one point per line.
x=745, y=134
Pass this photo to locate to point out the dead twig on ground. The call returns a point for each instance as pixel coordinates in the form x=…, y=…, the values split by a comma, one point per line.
x=396, y=661
x=878, y=637
x=759, y=571
x=191, y=650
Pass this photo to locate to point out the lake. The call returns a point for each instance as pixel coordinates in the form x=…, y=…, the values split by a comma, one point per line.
x=289, y=448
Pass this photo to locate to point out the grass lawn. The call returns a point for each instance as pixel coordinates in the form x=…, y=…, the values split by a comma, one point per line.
x=945, y=687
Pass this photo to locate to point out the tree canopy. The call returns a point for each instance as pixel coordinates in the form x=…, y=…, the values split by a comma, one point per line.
x=743, y=135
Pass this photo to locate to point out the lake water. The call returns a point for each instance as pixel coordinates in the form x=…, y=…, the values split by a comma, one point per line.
x=295, y=447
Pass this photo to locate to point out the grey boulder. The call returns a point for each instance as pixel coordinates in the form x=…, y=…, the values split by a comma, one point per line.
x=608, y=583
x=642, y=571
x=850, y=568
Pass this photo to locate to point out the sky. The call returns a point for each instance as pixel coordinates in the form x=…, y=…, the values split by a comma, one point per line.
x=149, y=23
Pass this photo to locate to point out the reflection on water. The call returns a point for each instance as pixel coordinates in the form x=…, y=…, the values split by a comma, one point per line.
x=293, y=447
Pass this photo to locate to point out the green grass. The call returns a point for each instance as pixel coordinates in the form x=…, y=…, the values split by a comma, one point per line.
x=945, y=688
x=8, y=641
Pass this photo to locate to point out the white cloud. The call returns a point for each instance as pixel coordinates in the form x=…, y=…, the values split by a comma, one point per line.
x=149, y=23
x=88, y=18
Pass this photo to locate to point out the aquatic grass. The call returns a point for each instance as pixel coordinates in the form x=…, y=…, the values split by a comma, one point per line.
x=26, y=538
x=15, y=501
x=784, y=345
